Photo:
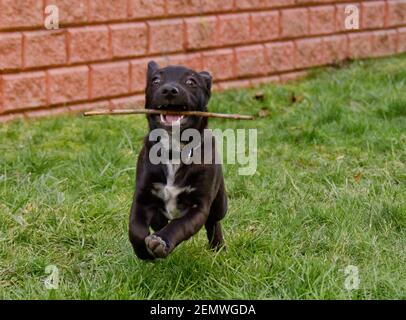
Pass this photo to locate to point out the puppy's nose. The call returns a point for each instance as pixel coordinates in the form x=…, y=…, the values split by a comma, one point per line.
x=169, y=91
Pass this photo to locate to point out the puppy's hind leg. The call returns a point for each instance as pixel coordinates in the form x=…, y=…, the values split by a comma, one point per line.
x=215, y=235
x=218, y=210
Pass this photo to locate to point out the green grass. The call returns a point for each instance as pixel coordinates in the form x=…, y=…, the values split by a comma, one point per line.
x=330, y=191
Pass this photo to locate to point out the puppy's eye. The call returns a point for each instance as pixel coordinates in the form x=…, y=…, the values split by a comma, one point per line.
x=191, y=82
x=156, y=81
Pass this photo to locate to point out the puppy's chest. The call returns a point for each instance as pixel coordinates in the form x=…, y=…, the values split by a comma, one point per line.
x=170, y=192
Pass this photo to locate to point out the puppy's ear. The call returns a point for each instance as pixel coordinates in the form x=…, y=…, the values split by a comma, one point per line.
x=207, y=78
x=152, y=67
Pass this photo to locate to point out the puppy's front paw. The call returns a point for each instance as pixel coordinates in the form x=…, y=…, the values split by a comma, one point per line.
x=156, y=246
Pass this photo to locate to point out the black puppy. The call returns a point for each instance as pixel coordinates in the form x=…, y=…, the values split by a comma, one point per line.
x=176, y=200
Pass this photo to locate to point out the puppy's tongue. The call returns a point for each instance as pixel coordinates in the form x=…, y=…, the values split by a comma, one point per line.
x=172, y=118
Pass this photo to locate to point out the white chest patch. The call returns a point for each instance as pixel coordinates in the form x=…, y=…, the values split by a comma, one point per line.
x=169, y=192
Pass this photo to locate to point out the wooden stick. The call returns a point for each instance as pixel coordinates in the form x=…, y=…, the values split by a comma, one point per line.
x=182, y=113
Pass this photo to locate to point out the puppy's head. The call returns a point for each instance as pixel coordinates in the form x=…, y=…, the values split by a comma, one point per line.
x=176, y=88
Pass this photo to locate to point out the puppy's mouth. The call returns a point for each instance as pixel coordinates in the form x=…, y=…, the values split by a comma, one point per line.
x=171, y=119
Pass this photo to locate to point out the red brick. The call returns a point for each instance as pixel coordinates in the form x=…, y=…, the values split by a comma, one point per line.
x=191, y=60
x=99, y=105
x=402, y=40
x=177, y=7
x=341, y=16
x=46, y=112
x=322, y=20
x=253, y=4
x=309, y=53
x=220, y=63
x=70, y=11
x=234, y=84
x=316, y=1
x=264, y=80
x=320, y=1
x=360, y=45
x=68, y=84
x=292, y=76
x=129, y=39
x=89, y=44
x=201, y=32
x=280, y=56
x=146, y=8
x=1, y=95
x=184, y=7
x=397, y=13
x=294, y=22
x=24, y=90
x=163, y=61
x=20, y=13
x=44, y=48
x=234, y=29
x=335, y=49
x=250, y=61
x=10, y=117
x=10, y=51
x=133, y=102
x=373, y=14
x=138, y=75
x=110, y=79
x=102, y=10
x=384, y=43
x=216, y=87
x=217, y=6
x=166, y=36
x=265, y=26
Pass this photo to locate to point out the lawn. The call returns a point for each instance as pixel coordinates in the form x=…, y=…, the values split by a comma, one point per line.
x=329, y=192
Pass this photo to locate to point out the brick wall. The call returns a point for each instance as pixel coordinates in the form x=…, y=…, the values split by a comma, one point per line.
x=98, y=56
